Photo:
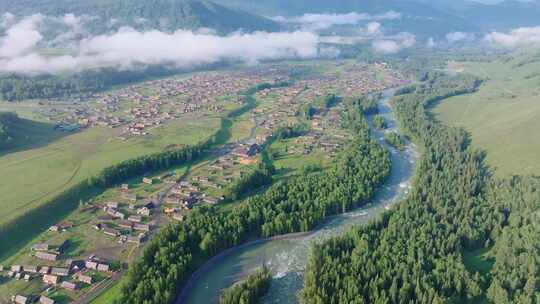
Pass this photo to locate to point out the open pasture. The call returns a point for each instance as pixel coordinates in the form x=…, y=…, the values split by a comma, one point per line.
x=503, y=117
x=30, y=177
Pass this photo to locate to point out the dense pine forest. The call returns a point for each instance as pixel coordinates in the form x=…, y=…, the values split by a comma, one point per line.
x=416, y=253
x=293, y=205
x=249, y=291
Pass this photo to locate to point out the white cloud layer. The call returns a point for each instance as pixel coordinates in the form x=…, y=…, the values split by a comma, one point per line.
x=21, y=37
x=454, y=37
x=373, y=28
x=129, y=48
x=516, y=37
x=392, y=45
x=324, y=21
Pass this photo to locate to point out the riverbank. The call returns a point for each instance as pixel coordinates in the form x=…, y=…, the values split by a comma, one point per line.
x=216, y=259
x=286, y=255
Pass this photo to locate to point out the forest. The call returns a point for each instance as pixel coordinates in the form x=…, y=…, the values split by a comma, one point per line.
x=262, y=176
x=395, y=140
x=15, y=87
x=416, y=252
x=368, y=103
x=379, y=122
x=294, y=205
x=249, y=291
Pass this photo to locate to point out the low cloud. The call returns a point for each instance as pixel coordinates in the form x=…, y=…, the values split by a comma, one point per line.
x=392, y=45
x=128, y=48
x=373, y=28
x=454, y=37
x=315, y=22
x=6, y=19
x=516, y=37
x=21, y=37
x=431, y=43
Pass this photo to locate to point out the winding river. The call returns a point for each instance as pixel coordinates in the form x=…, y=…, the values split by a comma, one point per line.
x=287, y=256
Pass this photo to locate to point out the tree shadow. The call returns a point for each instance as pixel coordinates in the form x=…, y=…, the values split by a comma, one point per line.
x=30, y=134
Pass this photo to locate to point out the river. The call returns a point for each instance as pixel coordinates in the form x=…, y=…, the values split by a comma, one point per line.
x=287, y=257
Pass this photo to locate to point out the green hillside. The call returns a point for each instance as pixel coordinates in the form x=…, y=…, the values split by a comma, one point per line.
x=504, y=115
x=146, y=14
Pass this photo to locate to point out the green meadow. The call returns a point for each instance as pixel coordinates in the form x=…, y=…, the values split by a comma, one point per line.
x=32, y=176
x=503, y=117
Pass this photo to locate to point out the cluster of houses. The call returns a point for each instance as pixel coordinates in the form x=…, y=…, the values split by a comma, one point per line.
x=72, y=275
x=217, y=175
x=127, y=224
x=132, y=221
x=153, y=103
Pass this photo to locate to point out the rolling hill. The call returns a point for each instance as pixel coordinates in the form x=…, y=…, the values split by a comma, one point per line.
x=169, y=15
x=502, y=116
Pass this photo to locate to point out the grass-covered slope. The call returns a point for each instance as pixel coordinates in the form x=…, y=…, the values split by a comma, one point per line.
x=50, y=162
x=503, y=116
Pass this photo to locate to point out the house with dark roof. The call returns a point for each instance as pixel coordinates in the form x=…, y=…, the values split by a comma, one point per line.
x=63, y=272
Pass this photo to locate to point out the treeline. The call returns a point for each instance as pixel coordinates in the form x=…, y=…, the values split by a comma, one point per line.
x=122, y=171
x=250, y=291
x=290, y=131
x=26, y=225
x=293, y=205
x=15, y=87
x=7, y=119
x=262, y=176
x=379, y=122
x=369, y=103
x=306, y=111
x=330, y=100
x=395, y=140
x=415, y=253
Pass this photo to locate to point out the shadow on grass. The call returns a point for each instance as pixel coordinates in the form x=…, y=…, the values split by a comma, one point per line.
x=74, y=248
x=17, y=234
x=30, y=134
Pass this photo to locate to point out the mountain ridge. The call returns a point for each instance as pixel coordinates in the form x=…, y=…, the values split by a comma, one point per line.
x=166, y=15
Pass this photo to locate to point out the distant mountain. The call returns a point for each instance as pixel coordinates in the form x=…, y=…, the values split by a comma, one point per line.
x=502, y=16
x=146, y=14
x=421, y=17
x=417, y=18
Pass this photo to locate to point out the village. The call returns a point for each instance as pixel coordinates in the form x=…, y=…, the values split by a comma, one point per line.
x=94, y=245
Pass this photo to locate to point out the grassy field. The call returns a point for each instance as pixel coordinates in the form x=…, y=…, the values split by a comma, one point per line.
x=111, y=294
x=39, y=173
x=504, y=115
